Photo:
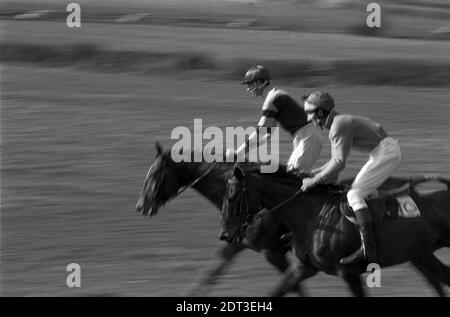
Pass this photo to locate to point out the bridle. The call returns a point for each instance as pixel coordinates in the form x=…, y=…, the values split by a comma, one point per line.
x=243, y=208
x=242, y=213
x=163, y=201
x=195, y=181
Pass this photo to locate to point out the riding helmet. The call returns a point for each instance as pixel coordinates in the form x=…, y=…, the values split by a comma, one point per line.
x=321, y=100
x=255, y=73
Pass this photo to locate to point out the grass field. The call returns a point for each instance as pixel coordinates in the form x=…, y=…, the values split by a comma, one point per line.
x=77, y=142
x=75, y=150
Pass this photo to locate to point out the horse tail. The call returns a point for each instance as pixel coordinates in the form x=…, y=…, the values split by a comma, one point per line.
x=430, y=178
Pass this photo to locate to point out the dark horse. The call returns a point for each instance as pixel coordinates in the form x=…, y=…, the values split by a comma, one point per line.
x=321, y=236
x=166, y=179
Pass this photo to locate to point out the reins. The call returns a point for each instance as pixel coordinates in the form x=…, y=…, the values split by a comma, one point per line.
x=285, y=201
x=195, y=181
x=273, y=209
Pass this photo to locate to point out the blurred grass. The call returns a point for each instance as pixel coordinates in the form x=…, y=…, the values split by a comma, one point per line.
x=404, y=72
x=76, y=146
x=405, y=19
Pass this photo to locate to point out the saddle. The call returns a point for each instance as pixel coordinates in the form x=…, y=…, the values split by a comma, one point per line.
x=386, y=203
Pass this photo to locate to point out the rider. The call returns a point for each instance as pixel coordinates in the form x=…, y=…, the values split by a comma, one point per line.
x=280, y=108
x=345, y=132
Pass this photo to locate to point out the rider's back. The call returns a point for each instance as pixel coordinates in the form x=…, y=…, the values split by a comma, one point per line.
x=365, y=133
x=285, y=109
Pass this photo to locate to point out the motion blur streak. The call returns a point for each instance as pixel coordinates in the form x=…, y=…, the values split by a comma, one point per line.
x=82, y=108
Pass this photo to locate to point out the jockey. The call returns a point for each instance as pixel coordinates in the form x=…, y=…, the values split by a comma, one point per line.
x=280, y=108
x=345, y=132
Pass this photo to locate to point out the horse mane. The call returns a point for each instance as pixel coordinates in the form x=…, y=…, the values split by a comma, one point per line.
x=281, y=176
x=251, y=167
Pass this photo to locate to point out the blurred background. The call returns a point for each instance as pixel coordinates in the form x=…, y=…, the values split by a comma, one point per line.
x=81, y=109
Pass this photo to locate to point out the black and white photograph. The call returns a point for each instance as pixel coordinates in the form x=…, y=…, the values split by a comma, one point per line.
x=233, y=151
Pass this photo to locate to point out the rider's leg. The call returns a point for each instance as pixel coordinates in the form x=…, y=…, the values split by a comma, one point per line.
x=368, y=249
x=383, y=160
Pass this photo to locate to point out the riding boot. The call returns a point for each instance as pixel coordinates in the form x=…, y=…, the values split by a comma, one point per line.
x=368, y=249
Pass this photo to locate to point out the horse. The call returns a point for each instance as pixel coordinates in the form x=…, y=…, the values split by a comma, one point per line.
x=167, y=179
x=322, y=236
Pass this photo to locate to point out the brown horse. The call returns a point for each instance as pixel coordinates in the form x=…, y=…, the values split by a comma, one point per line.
x=166, y=179
x=321, y=236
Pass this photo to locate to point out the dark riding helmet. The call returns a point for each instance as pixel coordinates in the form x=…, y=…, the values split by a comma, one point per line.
x=319, y=100
x=255, y=73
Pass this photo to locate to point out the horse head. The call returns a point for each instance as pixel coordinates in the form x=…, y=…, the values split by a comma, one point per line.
x=240, y=204
x=160, y=185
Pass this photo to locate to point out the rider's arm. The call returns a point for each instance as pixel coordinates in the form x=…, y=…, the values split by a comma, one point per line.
x=341, y=138
x=317, y=170
x=268, y=120
x=256, y=139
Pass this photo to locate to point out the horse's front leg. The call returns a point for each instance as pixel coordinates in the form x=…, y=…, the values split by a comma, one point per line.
x=226, y=255
x=292, y=279
x=278, y=259
x=353, y=279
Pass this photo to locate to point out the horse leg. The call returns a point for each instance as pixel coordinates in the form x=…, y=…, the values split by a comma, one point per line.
x=434, y=270
x=292, y=276
x=442, y=269
x=432, y=279
x=292, y=279
x=353, y=280
x=226, y=255
x=278, y=259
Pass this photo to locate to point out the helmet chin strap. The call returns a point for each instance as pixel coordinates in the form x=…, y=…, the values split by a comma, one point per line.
x=258, y=90
x=255, y=91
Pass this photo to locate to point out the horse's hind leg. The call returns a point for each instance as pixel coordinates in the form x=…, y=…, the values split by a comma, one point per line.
x=431, y=278
x=226, y=254
x=435, y=265
x=434, y=270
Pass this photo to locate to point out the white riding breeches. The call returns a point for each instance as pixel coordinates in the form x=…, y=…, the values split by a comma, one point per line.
x=383, y=160
x=307, y=144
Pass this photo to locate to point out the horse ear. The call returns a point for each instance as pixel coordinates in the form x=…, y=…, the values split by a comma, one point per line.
x=159, y=148
x=238, y=173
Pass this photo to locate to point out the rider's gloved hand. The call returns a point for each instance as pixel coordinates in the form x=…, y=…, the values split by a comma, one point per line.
x=308, y=183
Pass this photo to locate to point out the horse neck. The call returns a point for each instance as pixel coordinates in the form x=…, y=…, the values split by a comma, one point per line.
x=300, y=219
x=211, y=185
